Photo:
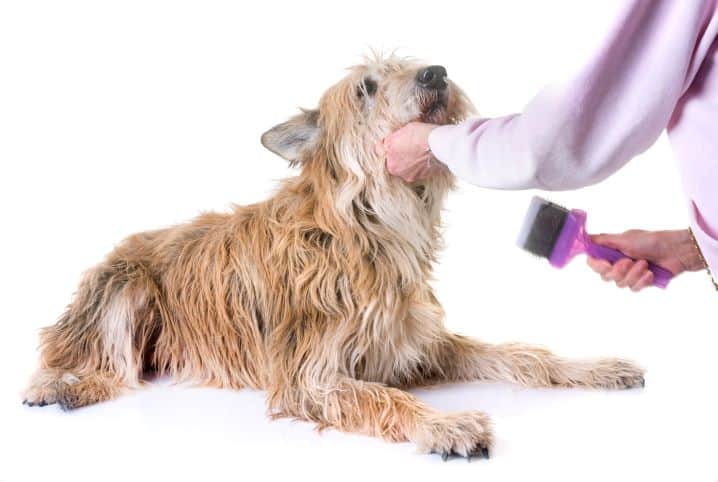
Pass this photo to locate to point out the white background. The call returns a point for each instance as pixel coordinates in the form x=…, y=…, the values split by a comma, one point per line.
x=117, y=117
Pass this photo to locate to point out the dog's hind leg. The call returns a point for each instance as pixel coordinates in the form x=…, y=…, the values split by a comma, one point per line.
x=95, y=351
x=374, y=409
x=457, y=358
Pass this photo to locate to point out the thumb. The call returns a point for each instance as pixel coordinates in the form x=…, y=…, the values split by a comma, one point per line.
x=615, y=241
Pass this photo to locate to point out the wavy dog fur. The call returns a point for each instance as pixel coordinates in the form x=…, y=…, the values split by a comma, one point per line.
x=319, y=295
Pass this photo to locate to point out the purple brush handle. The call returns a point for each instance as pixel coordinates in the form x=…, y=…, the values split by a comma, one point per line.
x=661, y=276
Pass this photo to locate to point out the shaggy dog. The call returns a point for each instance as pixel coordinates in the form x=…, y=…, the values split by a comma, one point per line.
x=319, y=295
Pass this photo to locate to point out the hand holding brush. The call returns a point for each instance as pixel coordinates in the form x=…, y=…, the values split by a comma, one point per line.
x=634, y=259
x=674, y=250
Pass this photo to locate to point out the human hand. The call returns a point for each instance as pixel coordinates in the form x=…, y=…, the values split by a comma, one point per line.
x=673, y=250
x=407, y=152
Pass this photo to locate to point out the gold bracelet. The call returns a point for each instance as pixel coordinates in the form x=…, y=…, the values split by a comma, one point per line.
x=703, y=259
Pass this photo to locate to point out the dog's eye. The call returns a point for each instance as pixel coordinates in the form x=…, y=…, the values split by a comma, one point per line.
x=367, y=86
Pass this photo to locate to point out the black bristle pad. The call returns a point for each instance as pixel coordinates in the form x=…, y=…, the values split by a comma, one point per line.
x=546, y=229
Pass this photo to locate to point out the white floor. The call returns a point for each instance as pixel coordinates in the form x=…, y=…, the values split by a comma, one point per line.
x=179, y=433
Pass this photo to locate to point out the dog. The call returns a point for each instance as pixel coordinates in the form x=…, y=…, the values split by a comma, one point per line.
x=319, y=295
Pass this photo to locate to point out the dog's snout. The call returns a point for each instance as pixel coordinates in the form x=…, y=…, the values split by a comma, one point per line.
x=432, y=77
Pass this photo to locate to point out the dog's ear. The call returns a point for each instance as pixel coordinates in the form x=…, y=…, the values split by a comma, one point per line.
x=290, y=138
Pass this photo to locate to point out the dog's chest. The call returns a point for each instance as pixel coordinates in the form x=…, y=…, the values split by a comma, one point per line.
x=391, y=343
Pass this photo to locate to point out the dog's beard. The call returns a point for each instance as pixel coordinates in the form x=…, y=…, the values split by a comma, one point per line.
x=434, y=107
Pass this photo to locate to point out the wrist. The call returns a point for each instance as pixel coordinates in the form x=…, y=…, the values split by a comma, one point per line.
x=431, y=132
x=688, y=251
x=426, y=130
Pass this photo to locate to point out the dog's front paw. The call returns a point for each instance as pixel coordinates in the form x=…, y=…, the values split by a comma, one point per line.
x=45, y=387
x=39, y=396
x=467, y=434
x=615, y=373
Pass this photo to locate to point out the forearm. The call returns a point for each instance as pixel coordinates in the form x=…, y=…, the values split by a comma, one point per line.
x=580, y=132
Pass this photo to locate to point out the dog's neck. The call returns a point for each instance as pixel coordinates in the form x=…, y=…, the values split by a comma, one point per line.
x=381, y=214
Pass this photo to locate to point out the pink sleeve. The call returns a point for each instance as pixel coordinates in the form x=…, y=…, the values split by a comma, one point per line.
x=579, y=133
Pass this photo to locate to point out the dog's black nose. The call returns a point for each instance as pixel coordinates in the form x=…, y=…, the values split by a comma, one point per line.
x=432, y=77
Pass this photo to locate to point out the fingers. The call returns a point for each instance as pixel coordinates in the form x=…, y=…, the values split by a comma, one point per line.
x=600, y=266
x=645, y=281
x=634, y=274
x=626, y=273
x=619, y=271
x=379, y=148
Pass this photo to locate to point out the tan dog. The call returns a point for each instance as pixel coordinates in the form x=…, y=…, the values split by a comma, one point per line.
x=319, y=295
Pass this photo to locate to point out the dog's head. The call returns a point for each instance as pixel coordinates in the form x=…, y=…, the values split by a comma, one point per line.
x=374, y=99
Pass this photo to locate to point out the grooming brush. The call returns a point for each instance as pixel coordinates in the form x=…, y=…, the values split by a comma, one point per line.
x=557, y=234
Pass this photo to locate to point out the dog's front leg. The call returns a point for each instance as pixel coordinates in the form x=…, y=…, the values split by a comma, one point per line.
x=393, y=414
x=458, y=358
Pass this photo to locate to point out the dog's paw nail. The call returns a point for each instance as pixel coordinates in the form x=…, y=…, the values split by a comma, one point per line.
x=444, y=456
x=481, y=452
x=42, y=403
x=24, y=402
x=643, y=382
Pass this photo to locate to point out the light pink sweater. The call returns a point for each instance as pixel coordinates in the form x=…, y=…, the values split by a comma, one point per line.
x=656, y=71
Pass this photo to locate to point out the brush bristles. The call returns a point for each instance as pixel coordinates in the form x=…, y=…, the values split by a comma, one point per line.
x=542, y=227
